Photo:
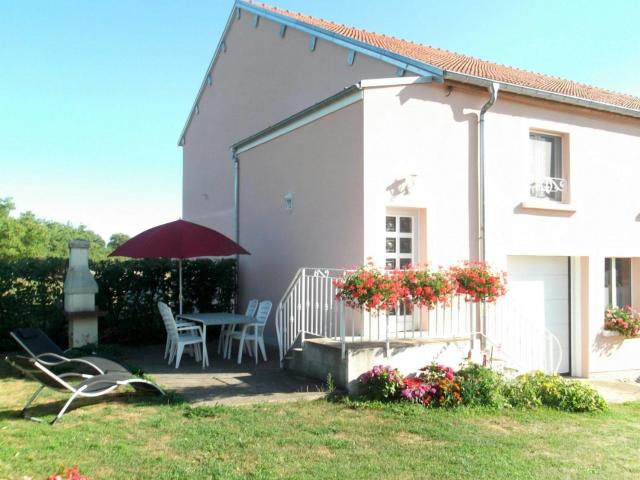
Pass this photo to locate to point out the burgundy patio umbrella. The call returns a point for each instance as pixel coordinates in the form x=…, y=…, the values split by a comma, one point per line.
x=179, y=240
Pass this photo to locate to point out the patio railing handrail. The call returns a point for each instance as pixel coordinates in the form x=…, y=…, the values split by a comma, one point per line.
x=309, y=308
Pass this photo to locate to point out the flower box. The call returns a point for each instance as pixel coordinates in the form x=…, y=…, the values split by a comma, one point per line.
x=611, y=333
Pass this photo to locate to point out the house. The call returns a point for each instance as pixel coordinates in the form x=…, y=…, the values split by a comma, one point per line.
x=320, y=145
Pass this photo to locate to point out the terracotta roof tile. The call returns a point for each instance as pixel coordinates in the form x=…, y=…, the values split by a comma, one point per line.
x=455, y=62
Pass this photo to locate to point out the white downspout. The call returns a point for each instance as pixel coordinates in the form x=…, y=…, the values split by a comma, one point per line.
x=482, y=249
x=236, y=210
x=236, y=195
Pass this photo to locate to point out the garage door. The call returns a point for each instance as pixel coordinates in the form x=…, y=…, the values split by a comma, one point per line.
x=539, y=286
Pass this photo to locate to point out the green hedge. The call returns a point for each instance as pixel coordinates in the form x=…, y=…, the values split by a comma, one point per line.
x=31, y=294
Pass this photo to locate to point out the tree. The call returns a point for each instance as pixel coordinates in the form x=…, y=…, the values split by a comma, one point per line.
x=30, y=237
x=116, y=240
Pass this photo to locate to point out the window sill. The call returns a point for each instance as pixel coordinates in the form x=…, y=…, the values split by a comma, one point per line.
x=616, y=335
x=548, y=206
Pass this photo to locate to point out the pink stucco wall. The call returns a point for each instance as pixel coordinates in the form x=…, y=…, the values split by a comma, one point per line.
x=320, y=164
x=259, y=80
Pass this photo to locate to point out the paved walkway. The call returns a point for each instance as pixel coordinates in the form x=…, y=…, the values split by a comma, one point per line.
x=224, y=381
x=616, y=387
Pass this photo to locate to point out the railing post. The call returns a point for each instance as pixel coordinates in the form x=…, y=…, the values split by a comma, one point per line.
x=278, y=333
x=386, y=333
x=483, y=326
x=341, y=324
x=303, y=312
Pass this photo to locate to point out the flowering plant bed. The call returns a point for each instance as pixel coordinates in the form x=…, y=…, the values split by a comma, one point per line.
x=440, y=386
x=478, y=282
x=624, y=321
x=382, y=383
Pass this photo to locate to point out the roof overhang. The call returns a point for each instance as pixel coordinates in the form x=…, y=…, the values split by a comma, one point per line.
x=404, y=64
x=338, y=101
x=543, y=94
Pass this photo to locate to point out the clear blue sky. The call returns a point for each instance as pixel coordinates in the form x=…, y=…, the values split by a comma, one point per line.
x=93, y=95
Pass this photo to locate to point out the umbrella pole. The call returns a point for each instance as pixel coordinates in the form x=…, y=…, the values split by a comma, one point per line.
x=180, y=282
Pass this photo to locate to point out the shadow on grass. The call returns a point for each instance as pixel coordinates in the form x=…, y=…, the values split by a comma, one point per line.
x=48, y=410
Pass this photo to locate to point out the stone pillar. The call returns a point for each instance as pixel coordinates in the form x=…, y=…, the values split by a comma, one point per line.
x=80, y=289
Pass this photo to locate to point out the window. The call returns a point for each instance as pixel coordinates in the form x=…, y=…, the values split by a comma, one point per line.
x=546, y=173
x=399, y=241
x=617, y=282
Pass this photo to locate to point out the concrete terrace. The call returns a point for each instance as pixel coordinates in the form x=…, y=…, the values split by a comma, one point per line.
x=224, y=381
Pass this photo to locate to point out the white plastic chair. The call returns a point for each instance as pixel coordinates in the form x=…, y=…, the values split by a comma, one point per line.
x=264, y=309
x=180, y=337
x=179, y=323
x=225, y=333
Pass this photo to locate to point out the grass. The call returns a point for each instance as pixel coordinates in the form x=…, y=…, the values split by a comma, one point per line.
x=134, y=437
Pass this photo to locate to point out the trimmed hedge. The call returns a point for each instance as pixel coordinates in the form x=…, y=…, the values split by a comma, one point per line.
x=31, y=294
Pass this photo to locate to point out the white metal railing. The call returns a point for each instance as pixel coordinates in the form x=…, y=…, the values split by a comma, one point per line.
x=522, y=338
x=308, y=306
x=309, y=309
x=548, y=187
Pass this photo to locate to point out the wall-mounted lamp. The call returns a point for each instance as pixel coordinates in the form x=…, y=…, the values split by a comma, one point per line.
x=413, y=178
x=288, y=201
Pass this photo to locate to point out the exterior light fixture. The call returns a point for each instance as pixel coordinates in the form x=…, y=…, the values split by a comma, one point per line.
x=288, y=201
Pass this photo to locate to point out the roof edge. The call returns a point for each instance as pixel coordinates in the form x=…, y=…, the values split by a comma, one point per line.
x=212, y=62
x=404, y=63
x=335, y=102
x=543, y=94
x=347, y=96
x=401, y=61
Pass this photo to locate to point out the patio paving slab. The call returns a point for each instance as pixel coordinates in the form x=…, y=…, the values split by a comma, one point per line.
x=616, y=389
x=225, y=382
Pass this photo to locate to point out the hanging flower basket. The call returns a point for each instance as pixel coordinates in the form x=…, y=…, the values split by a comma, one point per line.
x=371, y=289
x=427, y=288
x=478, y=283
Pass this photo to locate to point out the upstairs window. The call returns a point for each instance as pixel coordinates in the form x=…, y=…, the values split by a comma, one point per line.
x=547, y=180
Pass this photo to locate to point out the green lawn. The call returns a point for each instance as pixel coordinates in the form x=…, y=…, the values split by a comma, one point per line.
x=135, y=439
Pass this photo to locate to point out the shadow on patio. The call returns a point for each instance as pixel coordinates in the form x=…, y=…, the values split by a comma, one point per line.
x=224, y=381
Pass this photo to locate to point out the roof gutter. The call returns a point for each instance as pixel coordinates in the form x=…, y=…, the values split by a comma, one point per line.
x=543, y=94
x=343, y=98
x=493, y=91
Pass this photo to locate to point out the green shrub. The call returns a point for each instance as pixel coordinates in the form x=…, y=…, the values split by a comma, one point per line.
x=537, y=388
x=129, y=292
x=480, y=386
x=31, y=294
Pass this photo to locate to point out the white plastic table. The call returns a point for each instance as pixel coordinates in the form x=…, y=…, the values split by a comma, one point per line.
x=219, y=319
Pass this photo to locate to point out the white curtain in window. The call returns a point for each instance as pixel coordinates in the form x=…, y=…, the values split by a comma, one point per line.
x=541, y=158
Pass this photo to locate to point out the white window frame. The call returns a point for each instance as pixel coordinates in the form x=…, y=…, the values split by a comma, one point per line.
x=397, y=235
x=613, y=287
x=552, y=187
